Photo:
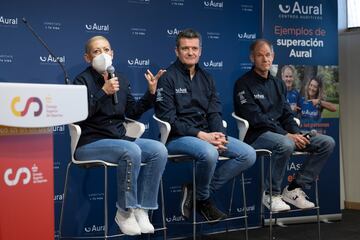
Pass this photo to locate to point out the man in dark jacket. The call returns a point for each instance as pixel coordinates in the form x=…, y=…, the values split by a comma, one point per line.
x=260, y=98
x=187, y=99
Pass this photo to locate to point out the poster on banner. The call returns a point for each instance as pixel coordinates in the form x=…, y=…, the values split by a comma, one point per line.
x=304, y=37
x=302, y=32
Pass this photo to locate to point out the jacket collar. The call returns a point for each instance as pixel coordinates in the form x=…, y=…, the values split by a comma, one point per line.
x=260, y=78
x=183, y=68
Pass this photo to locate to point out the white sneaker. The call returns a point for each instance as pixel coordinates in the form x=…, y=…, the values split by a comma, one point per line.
x=297, y=197
x=127, y=222
x=277, y=204
x=142, y=218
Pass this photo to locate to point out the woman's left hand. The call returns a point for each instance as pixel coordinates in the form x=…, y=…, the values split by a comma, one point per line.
x=152, y=80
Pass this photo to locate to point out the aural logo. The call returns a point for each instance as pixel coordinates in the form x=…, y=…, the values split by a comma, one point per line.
x=173, y=32
x=30, y=101
x=95, y=27
x=138, y=62
x=175, y=218
x=248, y=209
x=94, y=228
x=50, y=59
x=214, y=4
x=247, y=36
x=299, y=9
x=22, y=173
x=284, y=9
x=213, y=64
x=5, y=21
x=58, y=197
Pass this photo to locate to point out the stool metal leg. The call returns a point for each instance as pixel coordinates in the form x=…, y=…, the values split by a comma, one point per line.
x=231, y=202
x=194, y=200
x=262, y=214
x=163, y=209
x=244, y=206
x=271, y=193
x=318, y=207
x=232, y=196
x=63, y=202
x=106, y=224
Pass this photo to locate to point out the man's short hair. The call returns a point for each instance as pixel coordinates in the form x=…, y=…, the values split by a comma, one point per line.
x=258, y=42
x=87, y=45
x=188, y=33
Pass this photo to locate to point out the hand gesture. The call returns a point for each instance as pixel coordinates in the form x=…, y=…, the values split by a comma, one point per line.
x=152, y=80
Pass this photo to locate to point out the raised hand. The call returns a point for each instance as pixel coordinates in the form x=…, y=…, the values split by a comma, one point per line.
x=152, y=80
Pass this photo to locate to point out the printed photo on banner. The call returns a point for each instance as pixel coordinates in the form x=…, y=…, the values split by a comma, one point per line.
x=312, y=92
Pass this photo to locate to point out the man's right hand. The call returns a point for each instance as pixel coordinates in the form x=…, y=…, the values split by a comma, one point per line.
x=299, y=140
x=111, y=86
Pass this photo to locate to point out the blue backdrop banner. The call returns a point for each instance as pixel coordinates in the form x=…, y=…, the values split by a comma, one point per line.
x=142, y=34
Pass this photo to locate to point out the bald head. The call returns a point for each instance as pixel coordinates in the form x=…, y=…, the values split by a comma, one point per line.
x=93, y=39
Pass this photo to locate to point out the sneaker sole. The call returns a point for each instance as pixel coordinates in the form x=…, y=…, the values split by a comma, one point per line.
x=275, y=210
x=212, y=221
x=135, y=234
x=292, y=202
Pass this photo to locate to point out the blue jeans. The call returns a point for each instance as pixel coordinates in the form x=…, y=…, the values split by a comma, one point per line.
x=137, y=187
x=320, y=148
x=209, y=176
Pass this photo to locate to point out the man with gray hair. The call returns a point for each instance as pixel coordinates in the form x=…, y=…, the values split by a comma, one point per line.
x=260, y=98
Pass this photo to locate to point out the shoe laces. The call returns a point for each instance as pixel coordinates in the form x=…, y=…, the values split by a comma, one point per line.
x=275, y=197
x=301, y=193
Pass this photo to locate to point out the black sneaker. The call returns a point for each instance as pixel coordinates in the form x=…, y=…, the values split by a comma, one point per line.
x=186, y=204
x=209, y=211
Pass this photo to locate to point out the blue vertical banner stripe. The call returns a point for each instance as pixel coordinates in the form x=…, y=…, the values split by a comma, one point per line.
x=304, y=35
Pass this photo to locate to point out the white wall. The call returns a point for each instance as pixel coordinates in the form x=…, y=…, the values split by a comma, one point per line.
x=349, y=71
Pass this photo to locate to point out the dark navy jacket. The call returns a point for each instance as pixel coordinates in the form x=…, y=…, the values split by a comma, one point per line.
x=105, y=120
x=189, y=105
x=262, y=101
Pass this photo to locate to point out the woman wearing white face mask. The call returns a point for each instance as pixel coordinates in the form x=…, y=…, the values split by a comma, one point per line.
x=103, y=137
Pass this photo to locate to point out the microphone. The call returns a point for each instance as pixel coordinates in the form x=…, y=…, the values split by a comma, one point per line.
x=111, y=71
x=67, y=81
x=310, y=134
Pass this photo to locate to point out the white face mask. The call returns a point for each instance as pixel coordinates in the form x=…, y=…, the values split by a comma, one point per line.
x=101, y=62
